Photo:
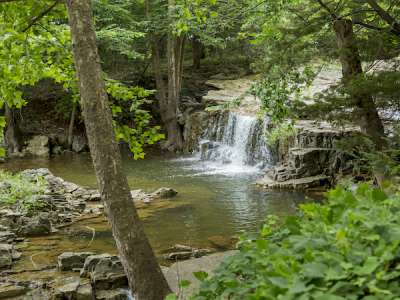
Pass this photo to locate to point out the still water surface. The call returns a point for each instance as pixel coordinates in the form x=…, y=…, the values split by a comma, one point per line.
x=215, y=201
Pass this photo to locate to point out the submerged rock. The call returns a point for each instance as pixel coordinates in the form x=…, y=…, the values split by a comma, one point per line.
x=69, y=261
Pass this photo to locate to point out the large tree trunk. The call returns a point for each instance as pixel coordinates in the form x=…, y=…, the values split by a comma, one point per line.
x=168, y=93
x=12, y=135
x=144, y=274
x=175, y=49
x=366, y=112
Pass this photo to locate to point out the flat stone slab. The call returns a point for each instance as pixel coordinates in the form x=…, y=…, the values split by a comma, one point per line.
x=184, y=271
x=294, y=184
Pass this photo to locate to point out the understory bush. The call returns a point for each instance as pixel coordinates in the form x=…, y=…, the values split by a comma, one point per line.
x=346, y=248
x=20, y=192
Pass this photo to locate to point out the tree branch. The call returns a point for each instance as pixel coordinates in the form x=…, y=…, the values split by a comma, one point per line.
x=326, y=7
x=39, y=16
x=394, y=25
x=369, y=26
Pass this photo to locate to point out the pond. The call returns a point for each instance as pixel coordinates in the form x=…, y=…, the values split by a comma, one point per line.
x=214, y=201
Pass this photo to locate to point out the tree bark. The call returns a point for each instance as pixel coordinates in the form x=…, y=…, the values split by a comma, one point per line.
x=175, y=47
x=12, y=135
x=168, y=93
x=366, y=112
x=144, y=274
x=71, y=126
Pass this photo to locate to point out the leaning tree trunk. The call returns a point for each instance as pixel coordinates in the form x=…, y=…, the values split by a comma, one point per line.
x=12, y=135
x=144, y=274
x=367, y=114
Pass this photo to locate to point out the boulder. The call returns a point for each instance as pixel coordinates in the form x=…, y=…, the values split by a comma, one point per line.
x=35, y=226
x=68, y=261
x=105, y=271
x=38, y=146
x=84, y=292
x=66, y=288
x=6, y=255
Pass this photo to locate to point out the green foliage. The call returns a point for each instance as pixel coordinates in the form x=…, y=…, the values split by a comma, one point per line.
x=281, y=132
x=21, y=192
x=347, y=248
x=131, y=121
x=368, y=161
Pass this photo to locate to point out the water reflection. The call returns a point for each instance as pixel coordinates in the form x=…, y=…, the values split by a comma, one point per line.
x=216, y=204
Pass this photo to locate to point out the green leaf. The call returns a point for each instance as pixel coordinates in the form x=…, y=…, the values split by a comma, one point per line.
x=200, y=275
x=184, y=283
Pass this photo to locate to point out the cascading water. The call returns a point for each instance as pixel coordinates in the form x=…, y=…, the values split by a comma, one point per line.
x=235, y=143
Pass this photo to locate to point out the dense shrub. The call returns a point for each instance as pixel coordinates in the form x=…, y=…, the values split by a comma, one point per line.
x=20, y=192
x=347, y=248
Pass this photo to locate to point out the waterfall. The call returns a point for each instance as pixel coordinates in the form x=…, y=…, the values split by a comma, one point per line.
x=235, y=142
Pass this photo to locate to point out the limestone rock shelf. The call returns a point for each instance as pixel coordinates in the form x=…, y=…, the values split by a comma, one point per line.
x=310, y=158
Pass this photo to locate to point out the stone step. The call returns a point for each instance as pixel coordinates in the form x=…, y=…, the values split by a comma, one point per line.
x=295, y=184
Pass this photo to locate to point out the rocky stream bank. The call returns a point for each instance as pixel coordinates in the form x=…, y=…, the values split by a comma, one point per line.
x=33, y=260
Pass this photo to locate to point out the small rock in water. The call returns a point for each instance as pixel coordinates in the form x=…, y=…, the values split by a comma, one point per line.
x=68, y=261
x=182, y=252
x=164, y=192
